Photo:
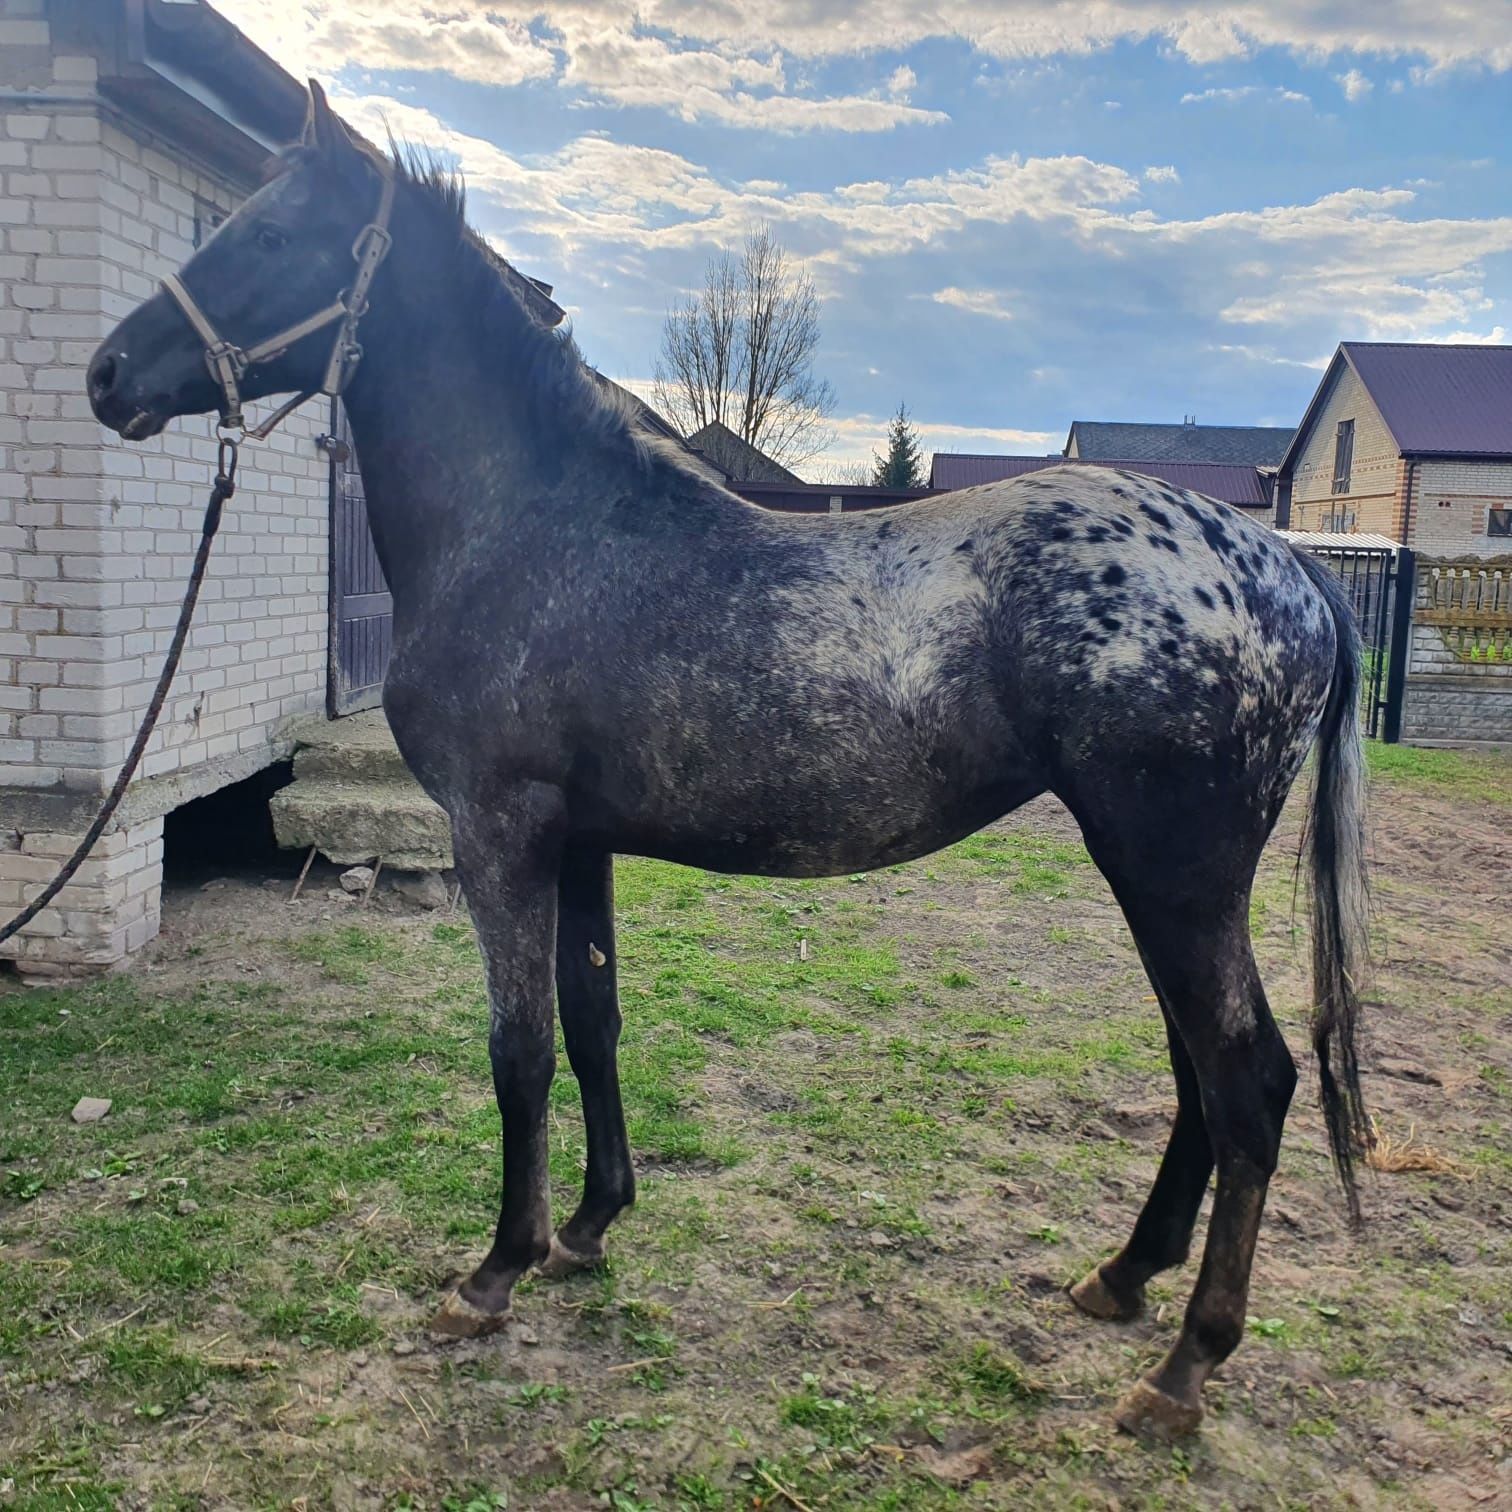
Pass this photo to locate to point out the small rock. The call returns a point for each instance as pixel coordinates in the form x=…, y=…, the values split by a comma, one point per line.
x=186, y=1207
x=404, y=1347
x=528, y=1337
x=359, y=1359
x=198, y=1405
x=880, y=1239
x=1408, y=1070
x=1447, y=1199
x=423, y=889
x=357, y=880
x=90, y=1109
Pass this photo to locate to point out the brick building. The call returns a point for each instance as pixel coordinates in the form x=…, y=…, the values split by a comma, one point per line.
x=128, y=129
x=1411, y=441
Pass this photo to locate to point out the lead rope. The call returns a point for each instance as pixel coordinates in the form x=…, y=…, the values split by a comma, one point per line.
x=222, y=489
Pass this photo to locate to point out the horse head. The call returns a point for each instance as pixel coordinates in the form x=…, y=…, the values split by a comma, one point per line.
x=268, y=305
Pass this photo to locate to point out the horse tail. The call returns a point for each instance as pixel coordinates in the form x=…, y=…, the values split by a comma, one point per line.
x=1334, y=843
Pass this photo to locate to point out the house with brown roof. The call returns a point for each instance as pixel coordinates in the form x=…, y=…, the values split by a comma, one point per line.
x=1411, y=440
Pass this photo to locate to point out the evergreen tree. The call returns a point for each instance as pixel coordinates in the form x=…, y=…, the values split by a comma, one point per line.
x=903, y=466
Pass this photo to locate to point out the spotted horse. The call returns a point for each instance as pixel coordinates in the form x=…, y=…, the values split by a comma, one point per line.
x=598, y=649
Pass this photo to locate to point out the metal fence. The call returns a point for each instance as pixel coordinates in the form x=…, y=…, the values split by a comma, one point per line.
x=1379, y=582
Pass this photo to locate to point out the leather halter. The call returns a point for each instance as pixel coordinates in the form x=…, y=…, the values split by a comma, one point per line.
x=228, y=362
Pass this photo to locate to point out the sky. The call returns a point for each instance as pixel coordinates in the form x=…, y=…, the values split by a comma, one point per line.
x=1017, y=214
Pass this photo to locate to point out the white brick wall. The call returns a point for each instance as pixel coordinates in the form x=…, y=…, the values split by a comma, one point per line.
x=97, y=535
x=1450, y=503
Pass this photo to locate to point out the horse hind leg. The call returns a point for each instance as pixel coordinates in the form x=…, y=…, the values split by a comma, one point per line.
x=1245, y=1077
x=1162, y=1234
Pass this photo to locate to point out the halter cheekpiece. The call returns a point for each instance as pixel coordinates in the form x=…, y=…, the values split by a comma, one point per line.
x=228, y=362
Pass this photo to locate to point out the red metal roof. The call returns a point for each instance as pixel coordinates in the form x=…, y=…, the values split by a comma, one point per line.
x=1234, y=484
x=1443, y=400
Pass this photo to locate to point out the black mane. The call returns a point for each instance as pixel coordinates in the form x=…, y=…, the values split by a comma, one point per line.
x=555, y=382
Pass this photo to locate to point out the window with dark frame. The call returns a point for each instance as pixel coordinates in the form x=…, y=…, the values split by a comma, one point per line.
x=1499, y=522
x=1343, y=456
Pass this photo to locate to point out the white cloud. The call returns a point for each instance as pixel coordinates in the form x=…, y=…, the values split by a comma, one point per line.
x=1355, y=85
x=973, y=301
x=1162, y=173
x=695, y=84
x=1496, y=336
x=857, y=436
x=708, y=59
x=1244, y=92
x=1352, y=262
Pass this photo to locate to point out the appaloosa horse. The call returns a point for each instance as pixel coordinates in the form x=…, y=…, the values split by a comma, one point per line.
x=597, y=650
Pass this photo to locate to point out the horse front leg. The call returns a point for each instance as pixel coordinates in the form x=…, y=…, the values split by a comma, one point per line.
x=508, y=858
x=588, y=1000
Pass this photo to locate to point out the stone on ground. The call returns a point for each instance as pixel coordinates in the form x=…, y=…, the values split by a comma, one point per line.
x=90, y=1109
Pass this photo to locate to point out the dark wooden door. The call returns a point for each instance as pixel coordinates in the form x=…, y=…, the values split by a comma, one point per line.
x=362, y=609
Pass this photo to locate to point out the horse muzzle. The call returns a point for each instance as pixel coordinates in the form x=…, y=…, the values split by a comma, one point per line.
x=115, y=402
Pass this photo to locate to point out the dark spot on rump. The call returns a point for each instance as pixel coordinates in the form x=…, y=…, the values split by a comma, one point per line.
x=1113, y=574
x=1173, y=616
x=1204, y=598
x=1160, y=517
x=884, y=530
x=1170, y=647
x=1164, y=543
x=1122, y=526
x=1110, y=624
x=1227, y=597
x=1060, y=532
x=1098, y=534
x=966, y=545
x=858, y=601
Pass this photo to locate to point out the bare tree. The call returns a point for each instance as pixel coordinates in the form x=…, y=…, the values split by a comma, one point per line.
x=853, y=474
x=741, y=351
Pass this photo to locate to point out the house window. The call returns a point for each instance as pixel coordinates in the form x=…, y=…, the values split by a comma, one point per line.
x=1343, y=455
x=1499, y=522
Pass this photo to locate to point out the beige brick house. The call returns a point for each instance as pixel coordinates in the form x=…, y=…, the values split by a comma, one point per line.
x=1412, y=441
x=127, y=129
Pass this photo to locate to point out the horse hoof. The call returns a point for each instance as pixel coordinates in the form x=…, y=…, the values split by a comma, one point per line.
x=457, y=1318
x=1094, y=1296
x=565, y=1261
x=1147, y=1408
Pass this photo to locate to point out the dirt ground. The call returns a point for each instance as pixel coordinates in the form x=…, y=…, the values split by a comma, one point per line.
x=880, y=1124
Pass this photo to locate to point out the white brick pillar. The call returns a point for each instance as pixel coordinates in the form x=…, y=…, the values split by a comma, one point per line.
x=108, y=910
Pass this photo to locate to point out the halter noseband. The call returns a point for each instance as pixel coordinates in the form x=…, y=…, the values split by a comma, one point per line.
x=228, y=362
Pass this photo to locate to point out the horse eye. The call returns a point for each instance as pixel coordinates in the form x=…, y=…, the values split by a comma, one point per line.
x=271, y=239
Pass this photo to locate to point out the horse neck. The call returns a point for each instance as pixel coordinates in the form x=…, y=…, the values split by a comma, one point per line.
x=436, y=427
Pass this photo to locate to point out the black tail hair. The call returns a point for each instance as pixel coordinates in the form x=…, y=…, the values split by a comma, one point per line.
x=1334, y=842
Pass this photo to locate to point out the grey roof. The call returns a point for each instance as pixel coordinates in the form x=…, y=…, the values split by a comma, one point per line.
x=1439, y=400
x=736, y=458
x=1113, y=440
x=1244, y=486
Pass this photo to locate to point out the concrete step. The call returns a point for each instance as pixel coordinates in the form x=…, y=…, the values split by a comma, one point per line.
x=358, y=748
x=352, y=821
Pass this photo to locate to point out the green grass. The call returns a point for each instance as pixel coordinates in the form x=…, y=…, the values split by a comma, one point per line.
x=856, y=1107
x=1486, y=776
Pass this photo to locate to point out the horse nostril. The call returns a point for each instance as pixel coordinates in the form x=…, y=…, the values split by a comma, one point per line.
x=102, y=375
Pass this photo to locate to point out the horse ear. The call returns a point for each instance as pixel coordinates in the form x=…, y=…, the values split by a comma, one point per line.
x=323, y=129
